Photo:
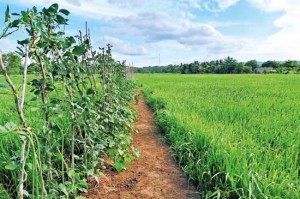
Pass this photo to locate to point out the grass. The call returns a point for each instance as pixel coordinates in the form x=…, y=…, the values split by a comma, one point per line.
x=234, y=135
x=10, y=144
x=7, y=106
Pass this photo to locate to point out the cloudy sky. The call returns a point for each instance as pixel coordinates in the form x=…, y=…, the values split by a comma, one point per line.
x=181, y=30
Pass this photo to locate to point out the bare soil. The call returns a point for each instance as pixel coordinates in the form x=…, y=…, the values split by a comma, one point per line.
x=153, y=175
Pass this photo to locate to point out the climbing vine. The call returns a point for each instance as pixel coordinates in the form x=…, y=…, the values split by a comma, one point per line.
x=82, y=99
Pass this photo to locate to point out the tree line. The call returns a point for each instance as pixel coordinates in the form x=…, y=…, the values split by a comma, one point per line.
x=228, y=65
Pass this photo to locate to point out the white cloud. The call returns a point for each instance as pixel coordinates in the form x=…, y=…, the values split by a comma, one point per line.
x=120, y=46
x=74, y=2
x=218, y=5
x=189, y=4
x=88, y=8
x=223, y=47
x=218, y=24
x=271, y=5
x=7, y=45
x=285, y=44
x=127, y=3
x=175, y=28
x=156, y=27
x=223, y=4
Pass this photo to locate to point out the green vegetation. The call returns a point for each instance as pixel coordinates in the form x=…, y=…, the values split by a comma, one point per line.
x=56, y=126
x=13, y=62
x=236, y=136
x=225, y=66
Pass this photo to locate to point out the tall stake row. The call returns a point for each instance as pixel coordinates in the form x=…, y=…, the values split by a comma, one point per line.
x=84, y=96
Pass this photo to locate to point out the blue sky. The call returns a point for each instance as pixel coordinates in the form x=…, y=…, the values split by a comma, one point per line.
x=181, y=30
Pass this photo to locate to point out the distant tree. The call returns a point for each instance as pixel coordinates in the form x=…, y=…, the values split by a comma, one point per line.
x=33, y=68
x=290, y=64
x=273, y=64
x=229, y=65
x=247, y=70
x=13, y=62
x=239, y=68
x=205, y=66
x=252, y=63
x=208, y=67
x=194, y=67
x=185, y=69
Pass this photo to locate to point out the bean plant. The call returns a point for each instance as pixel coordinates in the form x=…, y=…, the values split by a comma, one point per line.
x=81, y=98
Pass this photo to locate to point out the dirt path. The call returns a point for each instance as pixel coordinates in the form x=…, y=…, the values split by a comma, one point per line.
x=153, y=175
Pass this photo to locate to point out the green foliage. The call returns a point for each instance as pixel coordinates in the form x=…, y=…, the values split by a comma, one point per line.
x=291, y=64
x=252, y=63
x=235, y=136
x=2, y=85
x=225, y=66
x=3, y=193
x=77, y=108
x=13, y=63
x=271, y=64
x=7, y=15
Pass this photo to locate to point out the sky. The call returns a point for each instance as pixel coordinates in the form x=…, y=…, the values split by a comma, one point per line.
x=153, y=32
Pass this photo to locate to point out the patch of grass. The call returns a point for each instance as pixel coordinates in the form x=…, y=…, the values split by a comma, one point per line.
x=3, y=193
x=235, y=135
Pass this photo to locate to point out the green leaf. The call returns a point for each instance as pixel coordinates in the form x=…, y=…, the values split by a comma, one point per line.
x=111, y=152
x=37, y=92
x=71, y=40
x=7, y=16
x=24, y=42
x=34, y=9
x=29, y=165
x=87, y=41
x=64, y=11
x=11, y=166
x=90, y=91
x=63, y=188
x=20, y=51
x=59, y=156
x=55, y=128
x=136, y=153
x=34, y=99
x=42, y=44
x=119, y=163
x=71, y=173
x=25, y=17
x=78, y=50
x=53, y=8
x=61, y=20
x=15, y=23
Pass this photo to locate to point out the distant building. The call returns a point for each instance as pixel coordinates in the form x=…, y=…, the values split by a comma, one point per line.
x=262, y=69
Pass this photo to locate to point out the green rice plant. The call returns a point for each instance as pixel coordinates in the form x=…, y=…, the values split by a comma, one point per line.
x=235, y=136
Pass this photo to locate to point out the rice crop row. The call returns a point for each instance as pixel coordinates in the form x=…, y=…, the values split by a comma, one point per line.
x=236, y=136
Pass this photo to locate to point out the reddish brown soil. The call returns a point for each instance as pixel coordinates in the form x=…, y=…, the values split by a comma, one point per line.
x=153, y=175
